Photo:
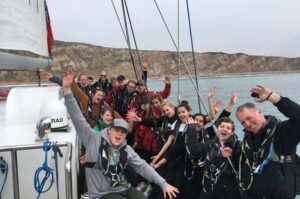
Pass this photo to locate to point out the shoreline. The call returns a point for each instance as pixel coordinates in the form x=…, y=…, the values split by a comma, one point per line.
x=4, y=83
x=230, y=74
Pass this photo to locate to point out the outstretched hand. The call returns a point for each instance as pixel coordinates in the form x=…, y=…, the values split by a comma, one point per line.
x=190, y=120
x=67, y=81
x=167, y=79
x=233, y=98
x=212, y=92
x=170, y=191
x=262, y=93
x=218, y=106
x=145, y=64
x=46, y=75
x=132, y=116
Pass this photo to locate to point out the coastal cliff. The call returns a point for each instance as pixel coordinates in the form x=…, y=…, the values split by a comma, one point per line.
x=90, y=59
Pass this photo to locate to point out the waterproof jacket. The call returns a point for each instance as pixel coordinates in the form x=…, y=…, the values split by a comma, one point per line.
x=268, y=181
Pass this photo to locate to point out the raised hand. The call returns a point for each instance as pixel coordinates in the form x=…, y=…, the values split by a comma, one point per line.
x=262, y=93
x=167, y=79
x=212, y=92
x=145, y=64
x=218, y=106
x=233, y=98
x=190, y=120
x=46, y=75
x=67, y=81
x=132, y=116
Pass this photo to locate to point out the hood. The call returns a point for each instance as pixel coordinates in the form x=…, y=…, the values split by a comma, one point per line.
x=104, y=135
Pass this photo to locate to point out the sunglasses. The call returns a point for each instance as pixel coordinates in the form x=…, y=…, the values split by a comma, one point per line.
x=103, y=75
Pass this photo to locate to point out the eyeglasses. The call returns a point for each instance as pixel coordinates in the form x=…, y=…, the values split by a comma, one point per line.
x=131, y=87
x=103, y=75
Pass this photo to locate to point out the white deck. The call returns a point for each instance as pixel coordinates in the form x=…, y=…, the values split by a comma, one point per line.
x=18, y=118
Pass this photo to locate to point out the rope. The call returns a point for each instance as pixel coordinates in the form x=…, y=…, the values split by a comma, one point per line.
x=39, y=184
x=133, y=36
x=128, y=41
x=193, y=52
x=4, y=169
x=178, y=42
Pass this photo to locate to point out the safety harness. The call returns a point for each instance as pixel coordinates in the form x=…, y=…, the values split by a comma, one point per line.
x=111, y=163
x=214, y=164
x=254, y=162
x=191, y=163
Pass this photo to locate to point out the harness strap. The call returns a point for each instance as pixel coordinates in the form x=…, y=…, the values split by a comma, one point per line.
x=4, y=169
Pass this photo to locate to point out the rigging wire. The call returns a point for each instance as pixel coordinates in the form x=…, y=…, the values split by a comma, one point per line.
x=193, y=51
x=128, y=41
x=194, y=84
x=119, y=20
x=178, y=42
x=134, y=38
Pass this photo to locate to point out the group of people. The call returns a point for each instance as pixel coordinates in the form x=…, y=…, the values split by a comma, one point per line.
x=135, y=141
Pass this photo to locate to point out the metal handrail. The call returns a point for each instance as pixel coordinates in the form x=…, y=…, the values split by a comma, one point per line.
x=68, y=163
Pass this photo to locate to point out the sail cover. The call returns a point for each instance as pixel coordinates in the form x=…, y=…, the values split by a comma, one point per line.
x=23, y=27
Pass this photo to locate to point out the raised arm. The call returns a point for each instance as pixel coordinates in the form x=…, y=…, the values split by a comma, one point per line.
x=83, y=129
x=167, y=90
x=210, y=95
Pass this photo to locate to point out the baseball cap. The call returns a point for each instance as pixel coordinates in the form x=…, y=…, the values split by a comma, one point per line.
x=120, y=123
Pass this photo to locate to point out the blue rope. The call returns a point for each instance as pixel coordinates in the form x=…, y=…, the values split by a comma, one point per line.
x=266, y=161
x=4, y=169
x=193, y=52
x=48, y=172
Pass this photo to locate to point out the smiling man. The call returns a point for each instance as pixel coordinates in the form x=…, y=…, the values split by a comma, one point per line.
x=267, y=166
x=107, y=156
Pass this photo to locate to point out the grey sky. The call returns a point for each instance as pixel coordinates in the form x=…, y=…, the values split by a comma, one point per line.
x=255, y=27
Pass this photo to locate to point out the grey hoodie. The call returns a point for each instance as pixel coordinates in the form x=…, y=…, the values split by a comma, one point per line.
x=97, y=183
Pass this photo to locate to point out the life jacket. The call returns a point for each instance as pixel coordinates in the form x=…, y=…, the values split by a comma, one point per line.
x=255, y=158
x=215, y=165
x=111, y=163
x=192, y=163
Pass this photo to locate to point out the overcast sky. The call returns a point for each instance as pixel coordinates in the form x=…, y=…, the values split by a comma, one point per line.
x=255, y=27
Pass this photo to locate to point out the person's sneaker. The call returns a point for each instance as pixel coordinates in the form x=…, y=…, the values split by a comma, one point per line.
x=148, y=190
x=141, y=186
x=85, y=196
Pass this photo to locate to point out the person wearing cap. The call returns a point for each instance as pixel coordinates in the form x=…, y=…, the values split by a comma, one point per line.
x=108, y=154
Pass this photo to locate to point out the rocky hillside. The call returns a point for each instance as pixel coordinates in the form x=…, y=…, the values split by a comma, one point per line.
x=91, y=59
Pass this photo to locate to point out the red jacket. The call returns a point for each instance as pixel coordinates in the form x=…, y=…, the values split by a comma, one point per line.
x=145, y=140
